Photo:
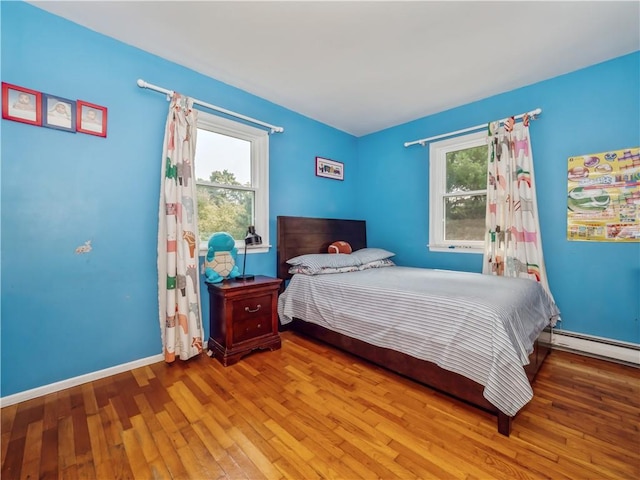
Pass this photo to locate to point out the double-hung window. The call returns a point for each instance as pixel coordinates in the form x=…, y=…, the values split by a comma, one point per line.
x=458, y=193
x=232, y=179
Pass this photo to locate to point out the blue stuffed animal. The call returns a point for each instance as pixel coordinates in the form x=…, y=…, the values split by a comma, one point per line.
x=220, y=262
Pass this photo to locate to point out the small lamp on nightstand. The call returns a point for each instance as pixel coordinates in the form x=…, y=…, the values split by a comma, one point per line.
x=252, y=238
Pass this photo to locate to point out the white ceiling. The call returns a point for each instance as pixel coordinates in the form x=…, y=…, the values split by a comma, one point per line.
x=363, y=66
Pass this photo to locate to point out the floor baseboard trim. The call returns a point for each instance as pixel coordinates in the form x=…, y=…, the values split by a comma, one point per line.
x=72, y=382
x=621, y=352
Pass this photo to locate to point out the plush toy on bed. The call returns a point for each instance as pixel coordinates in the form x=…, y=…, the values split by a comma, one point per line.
x=220, y=262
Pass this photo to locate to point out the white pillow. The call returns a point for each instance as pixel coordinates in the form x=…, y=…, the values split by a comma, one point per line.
x=366, y=255
x=318, y=261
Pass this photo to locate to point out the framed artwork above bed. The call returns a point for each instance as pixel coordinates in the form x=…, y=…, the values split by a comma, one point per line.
x=329, y=168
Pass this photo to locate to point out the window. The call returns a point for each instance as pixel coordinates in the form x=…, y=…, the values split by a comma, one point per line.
x=458, y=193
x=232, y=179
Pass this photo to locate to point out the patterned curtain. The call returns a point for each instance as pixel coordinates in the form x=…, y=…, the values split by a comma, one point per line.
x=178, y=280
x=512, y=246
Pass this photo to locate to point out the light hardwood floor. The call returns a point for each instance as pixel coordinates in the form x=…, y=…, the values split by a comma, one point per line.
x=309, y=411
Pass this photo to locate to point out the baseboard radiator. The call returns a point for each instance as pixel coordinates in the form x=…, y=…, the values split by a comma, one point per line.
x=598, y=347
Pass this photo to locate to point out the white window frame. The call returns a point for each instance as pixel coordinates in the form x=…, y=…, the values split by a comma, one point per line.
x=259, y=140
x=437, y=193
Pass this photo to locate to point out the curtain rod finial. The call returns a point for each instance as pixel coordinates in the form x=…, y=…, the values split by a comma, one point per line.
x=141, y=83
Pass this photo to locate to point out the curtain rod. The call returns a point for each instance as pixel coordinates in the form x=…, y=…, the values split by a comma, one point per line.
x=422, y=141
x=142, y=84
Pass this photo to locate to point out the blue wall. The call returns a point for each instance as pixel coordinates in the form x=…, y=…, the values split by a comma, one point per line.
x=596, y=285
x=65, y=315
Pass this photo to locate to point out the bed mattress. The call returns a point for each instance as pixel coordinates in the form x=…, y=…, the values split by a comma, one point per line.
x=480, y=326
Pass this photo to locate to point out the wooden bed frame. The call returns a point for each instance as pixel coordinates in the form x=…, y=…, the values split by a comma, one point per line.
x=301, y=235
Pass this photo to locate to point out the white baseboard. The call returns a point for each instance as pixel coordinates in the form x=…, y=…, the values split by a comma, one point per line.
x=628, y=353
x=72, y=382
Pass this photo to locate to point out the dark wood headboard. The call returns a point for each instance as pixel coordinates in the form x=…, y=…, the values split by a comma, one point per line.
x=300, y=235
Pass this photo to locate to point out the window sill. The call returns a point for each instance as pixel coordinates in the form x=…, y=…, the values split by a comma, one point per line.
x=250, y=250
x=455, y=249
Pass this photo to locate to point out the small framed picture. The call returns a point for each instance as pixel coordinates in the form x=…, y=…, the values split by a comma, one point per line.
x=58, y=113
x=21, y=104
x=329, y=168
x=92, y=119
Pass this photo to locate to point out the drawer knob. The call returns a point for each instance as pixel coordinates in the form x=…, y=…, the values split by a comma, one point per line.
x=247, y=309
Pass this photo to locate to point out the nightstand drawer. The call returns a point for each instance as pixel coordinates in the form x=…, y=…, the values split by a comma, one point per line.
x=251, y=307
x=252, y=327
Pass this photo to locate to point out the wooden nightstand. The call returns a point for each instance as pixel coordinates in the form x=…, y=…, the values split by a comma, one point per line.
x=243, y=316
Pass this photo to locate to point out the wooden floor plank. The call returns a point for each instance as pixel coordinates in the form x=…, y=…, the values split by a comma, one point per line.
x=66, y=446
x=170, y=455
x=259, y=451
x=197, y=464
x=113, y=429
x=33, y=450
x=99, y=447
x=310, y=411
x=330, y=455
x=49, y=454
x=139, y=465
x=145, y=439
x=8, y=415
x=291, y=463
x=219, y=453
x=245, y=435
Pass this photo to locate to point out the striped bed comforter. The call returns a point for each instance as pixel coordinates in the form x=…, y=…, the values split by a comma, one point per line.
x=480, y=326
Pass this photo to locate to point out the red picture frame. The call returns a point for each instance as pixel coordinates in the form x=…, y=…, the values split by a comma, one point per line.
x=91, y=118
x=21, y=104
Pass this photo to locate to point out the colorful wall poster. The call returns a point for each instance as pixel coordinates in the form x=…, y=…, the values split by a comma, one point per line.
x=603, y=199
